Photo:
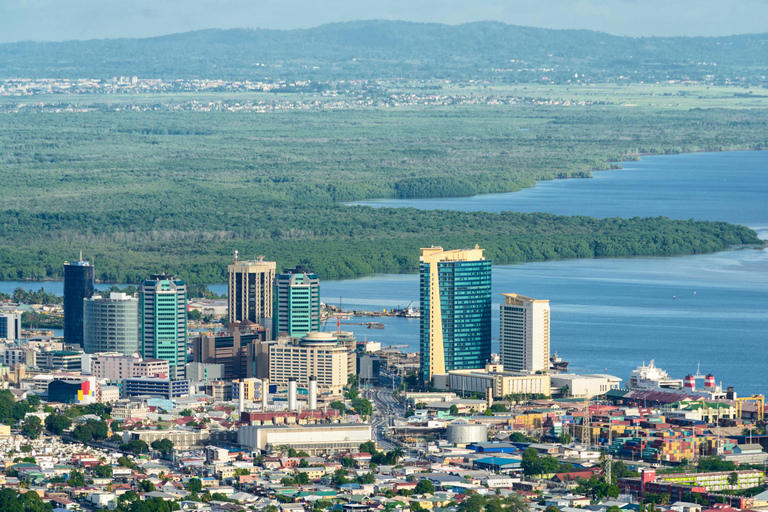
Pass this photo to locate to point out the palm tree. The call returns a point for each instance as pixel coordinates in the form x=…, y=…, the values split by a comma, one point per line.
x=398, y=453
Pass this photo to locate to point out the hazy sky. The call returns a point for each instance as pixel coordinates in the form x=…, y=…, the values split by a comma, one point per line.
x=55, y=20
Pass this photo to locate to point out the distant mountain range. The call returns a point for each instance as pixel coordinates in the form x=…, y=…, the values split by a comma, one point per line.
x=391, y=49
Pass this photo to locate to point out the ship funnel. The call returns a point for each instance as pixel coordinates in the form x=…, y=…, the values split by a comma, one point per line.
x=709, y=381
x=689, y=383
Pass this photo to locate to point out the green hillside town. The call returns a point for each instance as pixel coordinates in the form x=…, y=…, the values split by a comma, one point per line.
x=453, y=263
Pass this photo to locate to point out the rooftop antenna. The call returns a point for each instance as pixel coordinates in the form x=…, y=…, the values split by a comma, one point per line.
x=81, y=256
x=237, y=253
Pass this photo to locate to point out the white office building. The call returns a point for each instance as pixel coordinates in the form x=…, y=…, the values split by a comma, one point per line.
x=524, y=337
x=111, y=324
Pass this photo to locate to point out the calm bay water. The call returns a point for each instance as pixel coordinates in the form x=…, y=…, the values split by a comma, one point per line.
x=729, y=186
x=610, y=315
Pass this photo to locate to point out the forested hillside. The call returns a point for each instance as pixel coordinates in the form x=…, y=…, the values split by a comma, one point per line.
x=389, y=49
x=141, y=192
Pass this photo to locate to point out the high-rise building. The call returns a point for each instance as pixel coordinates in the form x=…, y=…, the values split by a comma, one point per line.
x=163, y=321
x=455, y=294
x=318, y=354
x=10, y=326
x=242, y=353
x=297, y=302
x=524, y=337
x=78, y=285
x=111, y=324
x=250, y=291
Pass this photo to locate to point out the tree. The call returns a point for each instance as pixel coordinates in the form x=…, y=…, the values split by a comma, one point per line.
x=424, y=487
x=453, y=410
x=57, y=423
x=733, y=479
x=33, y=400
x=302, y=478
x=339, y=477
x=303, y=463
x=195, y=485
x=83, y=433
x=368, y=447
x=32, y=427
x=194, y=314
x=499, y=408
x=714, y=463
x=163, y=446
x=565, y=438
x=397, y=454
x=103, y=471
x=362, y=406
x=76, y=479
x=146, y=486
x=136, y=446
x=367, y=478
x=339, y=406
x=99, y=429
x=128, y=496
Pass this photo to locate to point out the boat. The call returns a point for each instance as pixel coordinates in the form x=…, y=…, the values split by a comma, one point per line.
x=375, y=325
x=556, y=363
x=651, y=377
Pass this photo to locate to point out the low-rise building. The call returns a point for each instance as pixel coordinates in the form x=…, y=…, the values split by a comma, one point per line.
x=162, y=388
x=313, y=439
x=581, y=385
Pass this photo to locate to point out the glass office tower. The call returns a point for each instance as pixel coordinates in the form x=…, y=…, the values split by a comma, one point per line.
x=455, y=326
x=78, y=285
x=163, y=321
x=297, y=302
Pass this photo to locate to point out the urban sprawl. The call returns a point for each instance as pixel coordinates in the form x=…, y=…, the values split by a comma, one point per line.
x=154, y=401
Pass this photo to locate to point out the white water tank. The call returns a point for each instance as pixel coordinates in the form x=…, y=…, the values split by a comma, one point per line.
x=463, y=432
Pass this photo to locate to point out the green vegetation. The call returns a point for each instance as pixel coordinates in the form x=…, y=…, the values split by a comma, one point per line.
x=57, y=423
x=12, y=501
x=163, y=446
x=533, y=464
x=363, y=49
x=12, y=411
x=180, y=191
x=32, y=320
x=714, y=463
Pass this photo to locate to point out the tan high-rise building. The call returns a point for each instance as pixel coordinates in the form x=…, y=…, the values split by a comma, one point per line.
x=524, y=336
x=250, y=291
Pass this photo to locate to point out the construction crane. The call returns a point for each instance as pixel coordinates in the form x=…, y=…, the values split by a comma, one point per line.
x=759, y=399
x=586, y=427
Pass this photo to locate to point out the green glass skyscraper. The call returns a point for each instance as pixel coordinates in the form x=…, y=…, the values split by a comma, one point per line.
x=163, y=321
x=455, y=325
x=297, y=302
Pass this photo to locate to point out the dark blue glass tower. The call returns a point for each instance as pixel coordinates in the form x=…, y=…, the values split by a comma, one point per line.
x=78, y=285
x=465, y=310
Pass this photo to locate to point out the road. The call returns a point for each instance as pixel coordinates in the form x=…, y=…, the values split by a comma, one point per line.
x=387, y=407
